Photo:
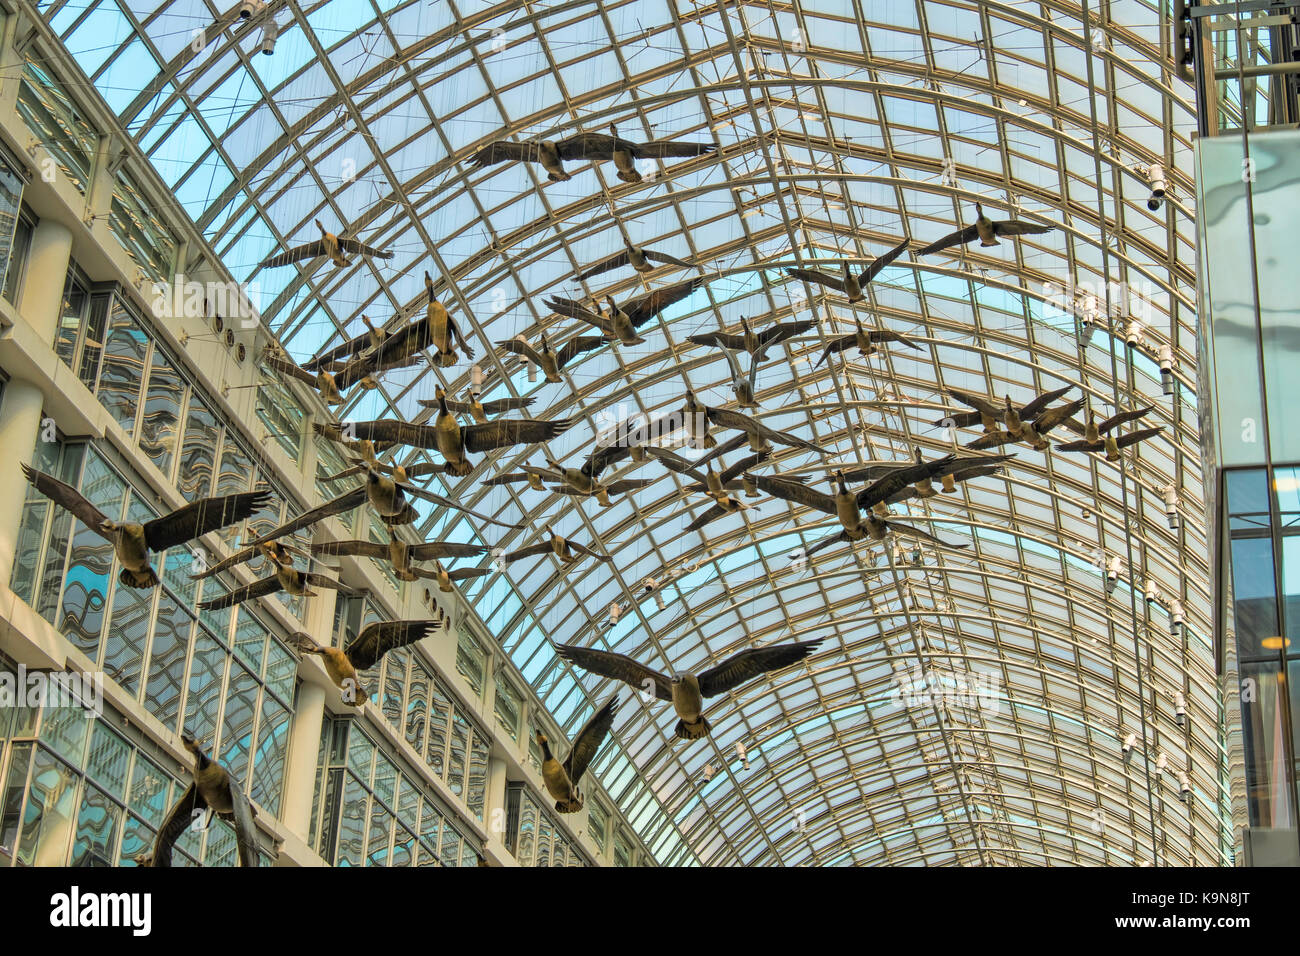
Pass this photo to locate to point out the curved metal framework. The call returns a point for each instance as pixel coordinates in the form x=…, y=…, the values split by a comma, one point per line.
x=839, y=133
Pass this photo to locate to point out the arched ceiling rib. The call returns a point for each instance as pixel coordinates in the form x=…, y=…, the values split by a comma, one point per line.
x=829, y=152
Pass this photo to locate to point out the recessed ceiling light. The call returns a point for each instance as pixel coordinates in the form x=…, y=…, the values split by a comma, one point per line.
x=1275, y=643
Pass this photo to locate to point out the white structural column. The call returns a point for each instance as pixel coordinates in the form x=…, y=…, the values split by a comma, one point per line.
x=496, y=798
x=304, y=750
x=20, y=411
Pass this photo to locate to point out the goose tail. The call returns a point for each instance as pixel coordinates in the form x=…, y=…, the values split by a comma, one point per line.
x=695, y=731
x=138, y=579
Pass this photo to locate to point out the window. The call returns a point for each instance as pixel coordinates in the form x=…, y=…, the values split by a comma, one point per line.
x=57, y=122
x=16, y=268
x=471, y=660
x=507, y=705
x=280, y=413
x=12, y=181
x=597, y=823
x=622, y=849
x=140, y=230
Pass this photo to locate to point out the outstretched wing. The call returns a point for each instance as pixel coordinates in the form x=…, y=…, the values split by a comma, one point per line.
x=592, y=146
x=499, y=434
x=68, y=498
x=377, y=639
x=509, y=345
x=645, y=307
x=178, y=819
x=795, y=492
x=884, y=335
x=1122, y=417
x=259, y=588
x=309, y=250
x=723, y=340
x=503, y=151
x=782, y=331
x=321, y=581
x=357, y=247
x=958, y=238
x=1042, y=401
x=575, y=310
x=497, y=406
x=1132, y=438
x=817, y=278
x=665, y=257
x=204, y=515
x=873, y=270
x=576, y=346
x=384, y=430
x=587, y=744
x=242, y=819
x=292, y=369
x=916, y=532
x=749, y=664
x=726, y=418
x=671, y=149
x=365, y=549
x=712, y=514
x=1016, y=227
x=839, y=345
x=606, y=265
x=618, y=666
x=445, y=549
x=344, y=502
x=439, y=500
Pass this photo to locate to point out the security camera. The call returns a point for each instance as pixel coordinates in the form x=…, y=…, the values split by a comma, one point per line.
x=1112, y=574
x=1171, y=506
x=1151, y=592
x=1158, y=185
x=1176, y=618
x=1129, y=743
x=1180, y=709
x=269, y=32
x=251, y=8
x=1184, y=786
x=1162, y=762
x=1167, y=369
x=1133, y=335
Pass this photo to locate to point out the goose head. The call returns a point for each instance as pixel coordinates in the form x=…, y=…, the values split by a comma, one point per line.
x=979, y=211
x=368, y=324
x=321, y=226
x=428, y=283
x=108, y=527
x=440, y=394
x=546, y=345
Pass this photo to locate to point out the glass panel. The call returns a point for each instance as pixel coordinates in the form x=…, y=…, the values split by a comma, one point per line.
x=1251, y=545
x=140, y=230
x=17, y=268
x=11, y=195
x=85, y=593
x=1263, y=725
x=96, y=829
x=122, y=374
x=171, y=643
x=56, y=122
x=206, y=684
x=198, y=452
x=160, y=425
x=49, y=817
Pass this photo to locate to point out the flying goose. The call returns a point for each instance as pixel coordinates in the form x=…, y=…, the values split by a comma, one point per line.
x=568, y=552
x=623, y=320
x=639, y=258
x=755, y=343
x=214, y=790
x=322, y=381
x=444, y=334
x=387, y=496
x=598, y=147
x=444, y=577
x=581, y=481
x=552, y=363
x=286, y=578
x=867, y=342
x=685, y=691
x=1109, y=443
x=716, y=486
x=697, y=416
x=878, y=530
x=327, y=245
x=133, y=541
x=561, y=779
x=1031, y=431
x=948, y=484
x=394, y=349
x=453, y=440
x=848, y=507
x=481, y=412
x=1093, y=431
x=277, y=552
x=743, y=385
x=987, y=231
x=989, y=412
x=367, y=341
x=374, y=641
x=852, y=286
x=400, y=553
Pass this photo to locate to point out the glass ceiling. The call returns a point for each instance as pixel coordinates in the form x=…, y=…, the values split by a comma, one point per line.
x=841, y=130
